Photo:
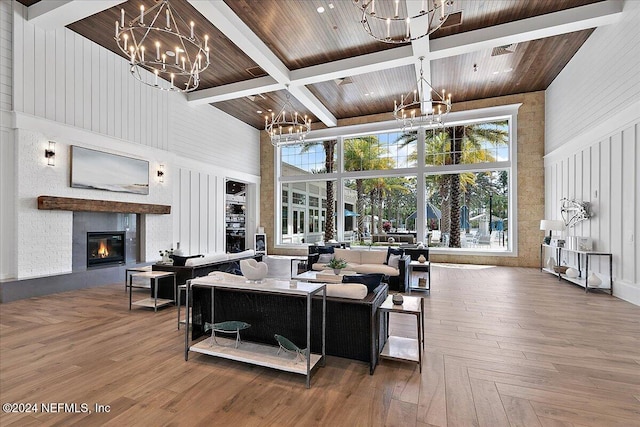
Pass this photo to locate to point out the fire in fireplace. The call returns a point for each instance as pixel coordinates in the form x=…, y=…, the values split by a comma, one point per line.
x=104, y=248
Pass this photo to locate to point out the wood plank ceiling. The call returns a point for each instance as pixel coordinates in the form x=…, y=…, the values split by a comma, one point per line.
x=305, y=41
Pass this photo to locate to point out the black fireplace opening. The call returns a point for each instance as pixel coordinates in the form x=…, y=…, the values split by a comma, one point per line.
x=104, y=248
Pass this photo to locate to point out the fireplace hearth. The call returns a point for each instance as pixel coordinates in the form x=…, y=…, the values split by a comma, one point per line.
x=105, y=248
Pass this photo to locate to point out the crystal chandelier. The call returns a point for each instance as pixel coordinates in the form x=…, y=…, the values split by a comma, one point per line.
x=287, y=126
x=382, y=19
x=420, y=107
x=161, y=42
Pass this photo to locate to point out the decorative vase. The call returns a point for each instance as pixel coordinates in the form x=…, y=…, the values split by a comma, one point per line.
x=397, y=299
x=422, y=259
x=594, y=281
x=551, y=263
x=571, y=272
x=336, y=271
x=166, y=259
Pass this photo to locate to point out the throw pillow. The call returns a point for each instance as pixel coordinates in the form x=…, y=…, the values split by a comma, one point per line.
x=371, y=281
x=325, y=258
x=394, y=261
x=180, y=260
x=325, y=249
x=392, y=251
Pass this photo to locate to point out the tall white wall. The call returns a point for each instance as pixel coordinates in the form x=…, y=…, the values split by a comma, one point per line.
x=591, y=144
x=65, y=88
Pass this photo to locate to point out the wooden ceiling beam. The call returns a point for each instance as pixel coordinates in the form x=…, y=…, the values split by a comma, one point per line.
x=537, y=27
x=54, y=14
x=223, y=17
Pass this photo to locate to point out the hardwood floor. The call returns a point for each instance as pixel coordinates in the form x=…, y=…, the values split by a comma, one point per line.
x=505, y=347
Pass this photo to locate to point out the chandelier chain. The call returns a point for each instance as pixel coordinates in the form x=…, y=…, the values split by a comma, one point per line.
x=424, y=103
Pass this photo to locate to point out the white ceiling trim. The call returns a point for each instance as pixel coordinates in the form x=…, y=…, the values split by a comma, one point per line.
x=314, y=105
x=538, y=27
x=579, y=18
x=54, y=14
x=384, y=60
x=221, y=15
x=234, y=90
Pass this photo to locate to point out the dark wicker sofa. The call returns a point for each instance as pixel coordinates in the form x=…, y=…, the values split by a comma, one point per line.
x=396, y=283
x=353, y=327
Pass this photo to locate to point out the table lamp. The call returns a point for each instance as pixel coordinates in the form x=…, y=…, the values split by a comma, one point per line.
x=551, y=225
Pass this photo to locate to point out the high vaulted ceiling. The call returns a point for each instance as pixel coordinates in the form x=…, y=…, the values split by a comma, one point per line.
x=335, y=70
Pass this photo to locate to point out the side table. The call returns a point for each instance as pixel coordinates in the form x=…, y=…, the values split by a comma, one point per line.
x=130, y=270
x=401, y=348
x=153, y=277
x=421, y=265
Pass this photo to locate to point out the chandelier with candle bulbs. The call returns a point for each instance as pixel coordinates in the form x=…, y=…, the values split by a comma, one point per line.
x=287, y=126
x=163, y=50
x=424, y=106
x=386, y=21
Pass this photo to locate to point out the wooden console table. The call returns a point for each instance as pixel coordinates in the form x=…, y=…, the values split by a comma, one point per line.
x=257, y=353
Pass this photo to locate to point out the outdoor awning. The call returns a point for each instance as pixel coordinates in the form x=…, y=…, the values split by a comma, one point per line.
x=431, y=213
x=347, y=212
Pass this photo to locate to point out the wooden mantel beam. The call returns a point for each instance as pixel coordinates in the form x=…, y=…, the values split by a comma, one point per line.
x=89, y=205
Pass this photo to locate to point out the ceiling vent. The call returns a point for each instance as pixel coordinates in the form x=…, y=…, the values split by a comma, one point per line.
x=343, y=81
x=256, y=71
x=504, y=50
x=453, y=20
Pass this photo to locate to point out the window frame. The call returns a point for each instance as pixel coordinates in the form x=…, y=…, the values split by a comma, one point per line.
x=505, y=112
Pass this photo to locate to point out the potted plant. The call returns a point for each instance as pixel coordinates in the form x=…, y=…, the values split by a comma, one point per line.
x=337, y=264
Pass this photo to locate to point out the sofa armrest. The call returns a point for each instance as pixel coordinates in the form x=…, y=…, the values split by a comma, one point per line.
x=312, y=259
x=403, y=269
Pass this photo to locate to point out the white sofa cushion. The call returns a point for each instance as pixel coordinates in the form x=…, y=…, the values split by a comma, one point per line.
x=375, y=268
x=347, y=290
x=373, y=257
x=348, y=255
x=207, y=259
x=243, y=254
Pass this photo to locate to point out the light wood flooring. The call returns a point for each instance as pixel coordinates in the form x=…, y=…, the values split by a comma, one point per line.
x=505, y=347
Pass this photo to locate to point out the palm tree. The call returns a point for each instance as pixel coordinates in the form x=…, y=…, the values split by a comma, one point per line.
x=455, y=145
x=329, y=156
x=360, y=154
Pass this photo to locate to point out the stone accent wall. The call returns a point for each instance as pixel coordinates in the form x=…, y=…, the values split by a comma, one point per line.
x=530, y=180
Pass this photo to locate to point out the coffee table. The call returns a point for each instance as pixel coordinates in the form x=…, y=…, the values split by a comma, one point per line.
x=324, y=276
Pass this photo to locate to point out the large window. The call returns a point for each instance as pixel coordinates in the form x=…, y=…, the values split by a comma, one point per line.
x=449, y=186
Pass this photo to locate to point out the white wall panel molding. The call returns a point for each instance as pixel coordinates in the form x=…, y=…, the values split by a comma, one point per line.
x=604, y=171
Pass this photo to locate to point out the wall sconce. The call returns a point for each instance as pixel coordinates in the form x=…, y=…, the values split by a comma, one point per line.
x=161, y=173
x=50, y=154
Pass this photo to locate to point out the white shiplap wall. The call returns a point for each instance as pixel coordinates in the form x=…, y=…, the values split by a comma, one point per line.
x=64, y=77
x=6, y=67
x=7, y=180
x=592, y=135
x=69, y=89
x=602, y=77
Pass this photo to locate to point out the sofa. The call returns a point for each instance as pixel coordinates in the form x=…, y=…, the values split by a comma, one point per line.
x=200, y=266
x=362, y=262
x=353, y=328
